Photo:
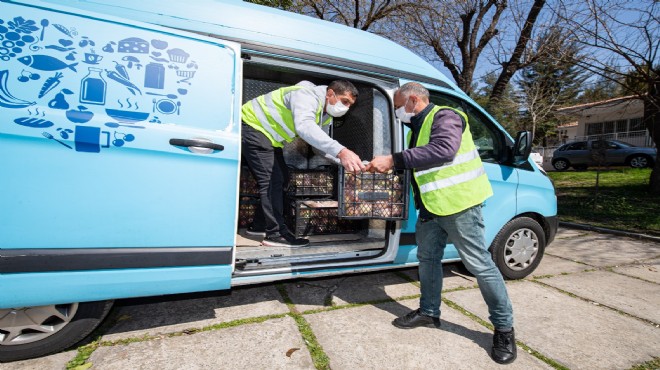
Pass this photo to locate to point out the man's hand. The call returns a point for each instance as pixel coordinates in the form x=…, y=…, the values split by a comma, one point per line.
x=381, y=163
x=350, y=161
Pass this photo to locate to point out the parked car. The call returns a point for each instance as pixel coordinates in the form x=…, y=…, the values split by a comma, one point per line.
x=582, y=154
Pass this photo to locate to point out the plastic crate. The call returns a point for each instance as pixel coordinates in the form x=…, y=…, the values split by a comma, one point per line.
x=247, y=208
x=368, y=195
x=318, y=217
x=306, y=183
x=248, y=185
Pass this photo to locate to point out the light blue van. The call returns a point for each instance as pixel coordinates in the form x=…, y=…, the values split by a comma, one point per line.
x=120, y=157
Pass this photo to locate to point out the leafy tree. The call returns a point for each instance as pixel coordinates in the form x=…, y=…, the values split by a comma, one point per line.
x=602, y=88
x=508, y=111
x=550, y=83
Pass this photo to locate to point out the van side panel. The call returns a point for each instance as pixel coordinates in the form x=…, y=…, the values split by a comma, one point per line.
x=501, y=207
x=536, y=193
x=75, y=286
x=120, y=149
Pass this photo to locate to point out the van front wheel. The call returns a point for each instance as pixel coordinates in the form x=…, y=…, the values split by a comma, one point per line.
x=29, y=332
x=518, y=248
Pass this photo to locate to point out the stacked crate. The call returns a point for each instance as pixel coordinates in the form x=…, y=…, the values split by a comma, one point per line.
x=312, y=211
x=367, y=195
x=249, y=198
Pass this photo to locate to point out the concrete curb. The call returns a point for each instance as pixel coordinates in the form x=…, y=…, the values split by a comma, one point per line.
x=629, y=234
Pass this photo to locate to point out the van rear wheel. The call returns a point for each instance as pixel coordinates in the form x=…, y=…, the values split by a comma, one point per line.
x=518, y=248
x=29, y=332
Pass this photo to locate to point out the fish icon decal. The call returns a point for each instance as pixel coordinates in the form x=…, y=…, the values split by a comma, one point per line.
x=46, y=63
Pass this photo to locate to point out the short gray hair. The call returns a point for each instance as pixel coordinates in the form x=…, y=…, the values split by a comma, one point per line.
x=413, y=88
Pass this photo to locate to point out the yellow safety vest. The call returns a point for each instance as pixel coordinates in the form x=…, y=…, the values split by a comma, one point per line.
x=268, y=114
x=453, y=186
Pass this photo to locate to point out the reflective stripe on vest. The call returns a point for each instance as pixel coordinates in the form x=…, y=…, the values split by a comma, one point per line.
x=453, y=186
x=268, y=114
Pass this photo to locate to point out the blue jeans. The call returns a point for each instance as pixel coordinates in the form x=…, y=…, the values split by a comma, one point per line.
x=466, y=231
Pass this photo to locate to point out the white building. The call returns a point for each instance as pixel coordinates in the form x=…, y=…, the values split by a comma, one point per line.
x=617, y=118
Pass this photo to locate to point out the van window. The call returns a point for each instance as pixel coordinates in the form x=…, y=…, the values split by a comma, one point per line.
x=488, y=139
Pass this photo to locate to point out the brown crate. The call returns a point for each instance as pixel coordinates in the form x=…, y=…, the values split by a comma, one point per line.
x=314, y=217
x=373, y=195
x=247, y=208
x=248, y=184
x=304, y=183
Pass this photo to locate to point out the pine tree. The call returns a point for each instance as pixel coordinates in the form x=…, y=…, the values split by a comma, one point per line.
x=553, y=81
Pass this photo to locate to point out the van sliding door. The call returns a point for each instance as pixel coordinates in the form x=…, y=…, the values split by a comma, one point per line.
x=119, y=147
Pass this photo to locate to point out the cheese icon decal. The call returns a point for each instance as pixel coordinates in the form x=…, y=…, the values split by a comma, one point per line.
x=133, y=45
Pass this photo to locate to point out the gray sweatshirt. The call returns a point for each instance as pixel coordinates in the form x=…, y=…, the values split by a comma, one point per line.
x=304, y=103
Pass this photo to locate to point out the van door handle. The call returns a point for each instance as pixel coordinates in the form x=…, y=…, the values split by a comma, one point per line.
x=197, y=143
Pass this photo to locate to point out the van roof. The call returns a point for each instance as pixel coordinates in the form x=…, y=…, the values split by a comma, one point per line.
x=267, y=27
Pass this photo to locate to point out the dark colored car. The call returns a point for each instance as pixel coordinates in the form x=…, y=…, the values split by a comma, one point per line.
x=582, y=154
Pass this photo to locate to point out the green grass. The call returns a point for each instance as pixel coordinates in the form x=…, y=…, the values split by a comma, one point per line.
x=621, y=202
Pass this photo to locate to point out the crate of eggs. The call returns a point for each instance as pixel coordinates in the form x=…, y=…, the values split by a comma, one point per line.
x=311, y=183
x=368, y=195
x=248, y=184
x=247, y=208
x=318, y=217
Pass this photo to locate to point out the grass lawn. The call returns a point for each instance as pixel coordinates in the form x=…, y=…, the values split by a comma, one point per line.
x=621, y=201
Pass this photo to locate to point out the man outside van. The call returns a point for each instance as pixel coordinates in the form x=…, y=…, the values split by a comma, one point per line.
x=270, y=120
x=450, y=186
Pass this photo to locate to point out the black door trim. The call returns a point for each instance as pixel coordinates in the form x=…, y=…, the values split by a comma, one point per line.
x=70, y=259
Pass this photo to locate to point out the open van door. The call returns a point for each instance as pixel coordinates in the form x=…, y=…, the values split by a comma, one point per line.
x=119, y=147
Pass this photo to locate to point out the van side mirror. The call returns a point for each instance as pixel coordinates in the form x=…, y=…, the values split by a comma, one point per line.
x=522, y=147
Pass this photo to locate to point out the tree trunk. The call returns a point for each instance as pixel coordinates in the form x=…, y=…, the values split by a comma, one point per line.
x=511, y=67
x=652, y=119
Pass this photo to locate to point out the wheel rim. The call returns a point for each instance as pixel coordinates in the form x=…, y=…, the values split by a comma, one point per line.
x=32, y=324
x=638, y=162
x=521, y=249
x=561, y=165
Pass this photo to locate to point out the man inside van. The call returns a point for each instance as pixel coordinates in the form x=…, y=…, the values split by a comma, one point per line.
x=270, y=120
x=450, y=185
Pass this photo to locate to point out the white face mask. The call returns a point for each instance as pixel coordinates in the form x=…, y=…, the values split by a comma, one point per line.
x=402, y=114
x=336, y=110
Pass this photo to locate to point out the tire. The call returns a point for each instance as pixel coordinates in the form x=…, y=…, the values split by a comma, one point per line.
x=518, y=248
x=68, y=331
x=560, y=164
x=640, y=161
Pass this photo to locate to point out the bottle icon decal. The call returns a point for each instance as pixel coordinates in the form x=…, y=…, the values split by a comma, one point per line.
x=93, y=87
x=154, y=76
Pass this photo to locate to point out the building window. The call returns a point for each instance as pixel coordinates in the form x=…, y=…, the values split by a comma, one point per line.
x=608, y=127
x=636, y=124
x=622, y=126
x=595, y=128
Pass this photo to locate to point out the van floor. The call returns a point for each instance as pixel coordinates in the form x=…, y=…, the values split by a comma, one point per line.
x=249, y=246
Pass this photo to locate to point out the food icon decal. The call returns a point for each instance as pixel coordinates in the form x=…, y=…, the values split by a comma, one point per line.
x=44, y=56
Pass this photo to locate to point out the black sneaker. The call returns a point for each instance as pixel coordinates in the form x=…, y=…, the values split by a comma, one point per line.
x=255, y=231
x=415, y=319
x=285, y=240
x=504, y=347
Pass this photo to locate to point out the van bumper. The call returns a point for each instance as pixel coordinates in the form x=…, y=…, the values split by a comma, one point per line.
x=553, y=224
